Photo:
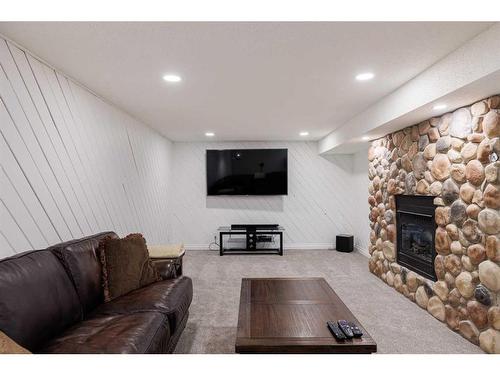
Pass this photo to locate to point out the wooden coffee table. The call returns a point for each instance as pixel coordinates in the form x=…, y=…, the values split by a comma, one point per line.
x=289, y=315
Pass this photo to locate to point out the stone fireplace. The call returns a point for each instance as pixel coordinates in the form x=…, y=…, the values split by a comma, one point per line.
x=415, y=234
x=434, y=197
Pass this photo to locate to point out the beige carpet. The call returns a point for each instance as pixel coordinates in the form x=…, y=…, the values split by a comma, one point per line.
x=397, y=324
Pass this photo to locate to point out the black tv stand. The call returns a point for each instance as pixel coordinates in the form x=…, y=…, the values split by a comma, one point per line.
x=249, y=236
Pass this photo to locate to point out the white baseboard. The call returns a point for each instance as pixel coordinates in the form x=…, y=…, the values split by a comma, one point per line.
x=294, y=246
x=363, y=251
x=199, y=247
x=309, y=246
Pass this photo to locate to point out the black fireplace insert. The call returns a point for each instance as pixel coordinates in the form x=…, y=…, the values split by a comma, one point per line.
x=416, y=228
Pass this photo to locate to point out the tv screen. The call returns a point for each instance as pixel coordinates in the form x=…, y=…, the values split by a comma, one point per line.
x=247, y=172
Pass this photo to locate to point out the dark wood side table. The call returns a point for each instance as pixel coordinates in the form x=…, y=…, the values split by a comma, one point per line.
x=289, y=315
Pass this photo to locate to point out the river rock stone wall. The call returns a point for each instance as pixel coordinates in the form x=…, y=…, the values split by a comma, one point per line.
x=455, y=159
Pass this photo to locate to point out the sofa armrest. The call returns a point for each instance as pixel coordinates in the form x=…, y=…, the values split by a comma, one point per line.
x=168, y=268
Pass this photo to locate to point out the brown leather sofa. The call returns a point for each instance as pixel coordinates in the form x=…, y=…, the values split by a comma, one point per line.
x=51, y=301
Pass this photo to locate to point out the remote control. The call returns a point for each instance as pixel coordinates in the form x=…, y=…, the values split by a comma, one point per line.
x=355, y=330
x=335, y=330
x=344, y=326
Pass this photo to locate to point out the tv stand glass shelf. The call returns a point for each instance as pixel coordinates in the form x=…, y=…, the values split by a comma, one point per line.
x=251, y=240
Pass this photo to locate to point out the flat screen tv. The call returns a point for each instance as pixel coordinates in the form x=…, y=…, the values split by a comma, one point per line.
x=247, y=172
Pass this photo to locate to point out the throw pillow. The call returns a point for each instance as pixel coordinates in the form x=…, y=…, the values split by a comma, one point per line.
x=9, y=346
x=125, y=265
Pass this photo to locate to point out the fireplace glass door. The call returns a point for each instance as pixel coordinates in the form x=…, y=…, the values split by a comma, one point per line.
x=416, y=237
x=416, y=231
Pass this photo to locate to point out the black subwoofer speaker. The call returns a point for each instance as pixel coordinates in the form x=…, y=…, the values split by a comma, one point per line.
x=344, y=243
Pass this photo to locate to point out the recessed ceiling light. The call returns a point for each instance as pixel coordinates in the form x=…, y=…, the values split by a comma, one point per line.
x=304, y=134
x=365, y=76
x=439, y=106
x=172, y=78
x=209, y=134
x=365, y=138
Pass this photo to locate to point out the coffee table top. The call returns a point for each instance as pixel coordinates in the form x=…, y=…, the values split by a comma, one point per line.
x=289, y=315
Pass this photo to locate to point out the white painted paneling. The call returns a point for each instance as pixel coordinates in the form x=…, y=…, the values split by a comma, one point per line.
x=36, y=133
x=72, y=164
x=26, y=162
x=359, y=193
x=24, y=188
x=6, y=247
x=318, y=206
x=21, y=213
x=11, y=229
x=32, y=148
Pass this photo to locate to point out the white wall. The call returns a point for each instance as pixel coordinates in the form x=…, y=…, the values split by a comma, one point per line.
x=318, y=206
x=71, y=164
x=359, y=193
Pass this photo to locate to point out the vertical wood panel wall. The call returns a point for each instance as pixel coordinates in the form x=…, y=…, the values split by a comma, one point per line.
x=319, y=204
x=70, y=163
x=360, y=206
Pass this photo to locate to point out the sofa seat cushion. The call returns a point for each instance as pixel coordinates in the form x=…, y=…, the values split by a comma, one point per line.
x=170, y=297
x=146, y=332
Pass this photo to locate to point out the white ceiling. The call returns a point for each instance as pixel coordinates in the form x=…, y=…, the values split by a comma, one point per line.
x=243, y=81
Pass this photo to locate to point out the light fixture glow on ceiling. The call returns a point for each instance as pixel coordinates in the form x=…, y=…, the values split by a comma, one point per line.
x=365, y=76
x=365, y=138
x=172, y=78
x=304, y=134
x=439, y=106
x=209, y=134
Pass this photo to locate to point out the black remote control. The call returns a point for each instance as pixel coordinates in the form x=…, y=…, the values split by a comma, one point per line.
x=355, y=330
x=335, y=330
x=344, y=326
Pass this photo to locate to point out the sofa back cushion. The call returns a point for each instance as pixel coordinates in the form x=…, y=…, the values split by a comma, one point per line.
x=84, y=268
x=37, y=298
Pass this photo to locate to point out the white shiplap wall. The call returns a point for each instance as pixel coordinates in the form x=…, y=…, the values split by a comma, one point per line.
x=318, y=206
x=360, y=209
x=72, y=164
